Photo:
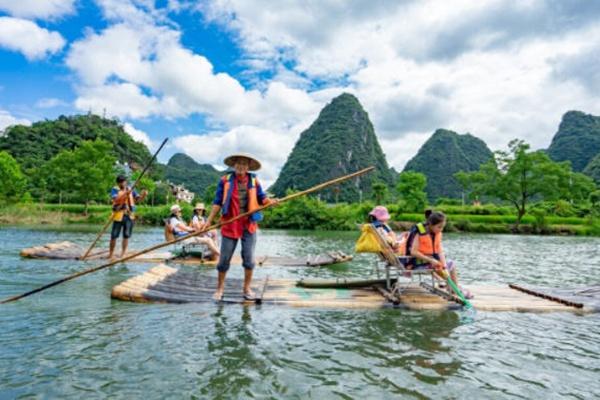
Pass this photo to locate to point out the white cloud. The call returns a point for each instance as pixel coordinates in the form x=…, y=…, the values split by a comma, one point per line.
x=488, y=68
x=50, y=102
x=27, y=37
x=495, y=69
x=45, y=9
x=268, y=146
x=118, y=99
x=136, y=70
x=138, y=135
x=141, y=71
x=7, y=119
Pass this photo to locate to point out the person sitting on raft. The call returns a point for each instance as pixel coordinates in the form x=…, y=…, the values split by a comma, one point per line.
x=424, y=243
x=176, y=224
x=209, y=238
x=379, y=217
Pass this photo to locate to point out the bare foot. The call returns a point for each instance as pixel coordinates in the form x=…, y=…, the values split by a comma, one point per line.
x=249, y=295
x=218, y=295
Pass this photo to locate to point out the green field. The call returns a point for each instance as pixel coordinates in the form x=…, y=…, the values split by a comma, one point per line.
x=311, y=214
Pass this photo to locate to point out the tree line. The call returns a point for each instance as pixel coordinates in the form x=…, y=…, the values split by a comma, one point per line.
x=518, y=177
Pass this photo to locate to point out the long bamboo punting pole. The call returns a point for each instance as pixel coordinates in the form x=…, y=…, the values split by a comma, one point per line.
x=177, y=240
x=130, y=190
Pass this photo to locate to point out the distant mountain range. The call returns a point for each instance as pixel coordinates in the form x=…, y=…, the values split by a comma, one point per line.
x=341, y=140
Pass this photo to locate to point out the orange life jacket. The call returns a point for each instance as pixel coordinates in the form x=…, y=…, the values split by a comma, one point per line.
x=228, y=190
x=430, y=244
x=123, y=206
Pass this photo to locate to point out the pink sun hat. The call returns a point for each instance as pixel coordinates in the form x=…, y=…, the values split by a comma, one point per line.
x=381, y=213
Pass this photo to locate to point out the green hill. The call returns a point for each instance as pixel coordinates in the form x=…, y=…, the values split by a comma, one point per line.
x=340, y=141
x=577, y=139
x=444, y=154
x=182, y=169
x=593, y=169
x=32, y=145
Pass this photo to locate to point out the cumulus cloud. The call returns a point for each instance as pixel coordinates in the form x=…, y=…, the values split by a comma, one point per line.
x=490, y=68
x=47, y=9
x=144, y=70
x=265, y=144
x=135, y=69
x=7, y=119
x=138, y=135
x=581, y=67
x=497, y=69
x=28, y=38
x=332, y=38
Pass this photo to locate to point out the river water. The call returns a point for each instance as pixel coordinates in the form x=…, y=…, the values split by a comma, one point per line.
x=73, y=341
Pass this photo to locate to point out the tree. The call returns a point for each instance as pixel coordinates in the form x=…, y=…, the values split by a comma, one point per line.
x=146, y=183
x=12, y=180
x=161, y=193
x=465, y=183
x=595, y=200
x=520, y=175
x=36, y=144
x=209, y=193
x=411, y=190
x=380, y=191
x=84, y=174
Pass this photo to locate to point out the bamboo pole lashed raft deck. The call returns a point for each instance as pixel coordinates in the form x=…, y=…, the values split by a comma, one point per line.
x=165, y=284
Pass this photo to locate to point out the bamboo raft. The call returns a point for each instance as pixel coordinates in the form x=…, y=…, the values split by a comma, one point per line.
x=70, y=251
x=164, y=284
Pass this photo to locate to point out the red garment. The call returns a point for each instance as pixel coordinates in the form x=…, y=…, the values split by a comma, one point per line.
x=235, y=229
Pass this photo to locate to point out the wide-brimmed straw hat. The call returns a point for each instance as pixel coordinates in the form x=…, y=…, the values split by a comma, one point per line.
x=381, y=213
x=253, y=163
x=175, y=208
x=200, y=206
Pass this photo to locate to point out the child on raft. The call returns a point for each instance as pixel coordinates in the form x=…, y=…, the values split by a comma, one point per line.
x=379, y=217
x=423, y=242
x=425, y=245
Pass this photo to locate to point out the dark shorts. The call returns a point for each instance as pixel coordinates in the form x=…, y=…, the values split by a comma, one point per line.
x=126, y=224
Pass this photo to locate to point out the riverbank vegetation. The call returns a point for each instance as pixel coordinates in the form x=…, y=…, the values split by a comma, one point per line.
x=310, y=213
x=61, y=180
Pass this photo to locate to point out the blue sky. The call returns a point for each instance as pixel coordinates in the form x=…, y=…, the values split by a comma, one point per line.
x=219, y=76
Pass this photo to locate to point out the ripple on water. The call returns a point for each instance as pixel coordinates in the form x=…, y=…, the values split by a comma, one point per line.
x=73, y=341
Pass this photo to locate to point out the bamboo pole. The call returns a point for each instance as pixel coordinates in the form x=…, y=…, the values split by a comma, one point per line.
x=128, y=191
x=177, y=240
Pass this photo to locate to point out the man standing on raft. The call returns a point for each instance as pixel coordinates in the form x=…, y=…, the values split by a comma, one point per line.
x=238, y=192
x=124, y=200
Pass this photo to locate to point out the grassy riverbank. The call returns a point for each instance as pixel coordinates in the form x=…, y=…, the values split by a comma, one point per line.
x=309, y=213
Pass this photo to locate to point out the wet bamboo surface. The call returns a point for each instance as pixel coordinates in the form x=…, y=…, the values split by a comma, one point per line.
x=166, y=284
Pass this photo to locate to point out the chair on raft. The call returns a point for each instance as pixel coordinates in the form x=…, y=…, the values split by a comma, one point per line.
x=183, y=249
x=391, y=262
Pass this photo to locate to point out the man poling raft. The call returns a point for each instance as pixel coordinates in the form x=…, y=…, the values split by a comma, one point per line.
x=129, y=191
x=238, y=192
x=123, y=199
x=177, y=240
